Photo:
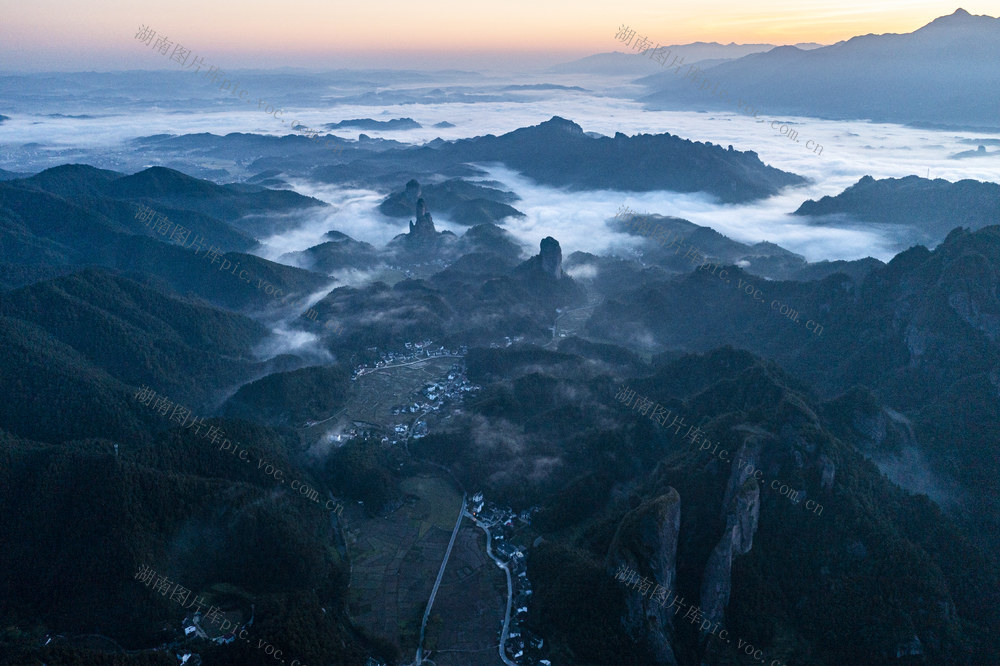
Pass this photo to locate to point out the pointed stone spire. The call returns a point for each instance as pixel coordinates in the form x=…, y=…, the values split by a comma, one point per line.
x=551, y=255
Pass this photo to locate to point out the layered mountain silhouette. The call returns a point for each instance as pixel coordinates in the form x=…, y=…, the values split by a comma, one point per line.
x=423, y=242
x=481, y=291
x=867, y=390
x=76, y=215
x=935, y=76
x=929, y=208
x=339, y=252
x=639, y=64
x=919, y=332
x=369, y=124
x=463, y=202
x=705, y=245
x=558, y=153
x=708, y=528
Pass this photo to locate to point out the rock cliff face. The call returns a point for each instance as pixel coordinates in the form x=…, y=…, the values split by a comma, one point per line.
x=777, y=456
x=543, y=275
x=551, y=255
x=424, y=226
x=646, y=541
x=547, y=263
x=742, y=512
x=422, y=243
x=745, y=462
x=971, y=284
x=827, y=470
x=716, y=580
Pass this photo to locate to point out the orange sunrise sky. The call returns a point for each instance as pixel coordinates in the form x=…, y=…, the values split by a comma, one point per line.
x=99, y=34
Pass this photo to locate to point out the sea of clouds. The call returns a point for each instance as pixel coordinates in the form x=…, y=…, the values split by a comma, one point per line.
x=46, y=130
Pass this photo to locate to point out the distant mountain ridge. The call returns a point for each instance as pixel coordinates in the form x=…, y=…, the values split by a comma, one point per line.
x=932, y=208
x=635, y=64
x=935, y=76
x=558, y=153
x=12, y=175
x=370, y=124
x=709, y=246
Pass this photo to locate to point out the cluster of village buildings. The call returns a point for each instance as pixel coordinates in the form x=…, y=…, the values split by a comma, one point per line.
x=194, y=627
x=405, y=270
x=506, y=529
x=505, y=526
x=432, y=398
x=414, y=351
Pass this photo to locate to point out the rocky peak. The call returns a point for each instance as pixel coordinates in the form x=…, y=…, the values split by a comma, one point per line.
x=551, y=255
x=424, y=225
x=558, y=123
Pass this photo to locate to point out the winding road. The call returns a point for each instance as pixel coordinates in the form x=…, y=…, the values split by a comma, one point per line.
x=510, y=589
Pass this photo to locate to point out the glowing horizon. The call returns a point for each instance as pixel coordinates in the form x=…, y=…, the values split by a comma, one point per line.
x=49, y=35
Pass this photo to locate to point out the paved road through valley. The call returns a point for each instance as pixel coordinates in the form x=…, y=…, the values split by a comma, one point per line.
x=437, y=583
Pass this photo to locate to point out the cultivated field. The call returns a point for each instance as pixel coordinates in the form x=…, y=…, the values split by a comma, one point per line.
x=408, y=545
x=469, y=608
x=377, y=392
